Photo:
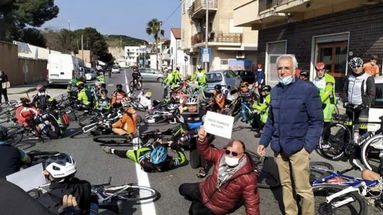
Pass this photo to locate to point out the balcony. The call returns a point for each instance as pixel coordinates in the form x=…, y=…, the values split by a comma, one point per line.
x=198, y=8
x=217, y=39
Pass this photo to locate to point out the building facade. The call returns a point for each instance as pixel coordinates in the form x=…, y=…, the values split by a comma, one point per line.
x=318, y=30
x=228, y=44
x=177, y=55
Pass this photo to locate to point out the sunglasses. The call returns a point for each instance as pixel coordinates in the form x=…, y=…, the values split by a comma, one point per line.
x=235, y=154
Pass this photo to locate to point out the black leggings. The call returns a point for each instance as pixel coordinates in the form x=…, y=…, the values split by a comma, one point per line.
x=4, y=93
x=191, y=192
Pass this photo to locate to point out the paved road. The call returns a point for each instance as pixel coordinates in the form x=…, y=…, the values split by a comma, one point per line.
x=96, y=166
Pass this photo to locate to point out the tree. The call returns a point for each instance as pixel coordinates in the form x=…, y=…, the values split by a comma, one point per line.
x=154, y=28
x=15, y=15
x=32, y=36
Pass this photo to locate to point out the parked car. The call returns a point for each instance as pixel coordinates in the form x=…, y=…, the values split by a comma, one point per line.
x=90, y=74
x=248, y=76
x=376, y=110
x=64, y=67
x=226, y=78
x=116, y=69
x=149, y=74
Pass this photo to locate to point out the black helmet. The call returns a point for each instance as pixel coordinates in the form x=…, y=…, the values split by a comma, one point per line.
x=266, y=88
x=305, y=73
x=103, y=91
x=3, y=133
x=218, y=87
x=119, y=86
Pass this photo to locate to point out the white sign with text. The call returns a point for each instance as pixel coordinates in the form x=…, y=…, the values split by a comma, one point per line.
x=219, y=124
x=28, y=179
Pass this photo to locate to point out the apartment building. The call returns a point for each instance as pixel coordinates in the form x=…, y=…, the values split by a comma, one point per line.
x=331, y=31
x=178, y=58
x=230, y=45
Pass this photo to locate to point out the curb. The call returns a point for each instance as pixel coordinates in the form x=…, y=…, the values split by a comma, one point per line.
x=24, y=91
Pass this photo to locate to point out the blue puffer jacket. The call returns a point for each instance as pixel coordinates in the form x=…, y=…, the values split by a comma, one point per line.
x=295, y=118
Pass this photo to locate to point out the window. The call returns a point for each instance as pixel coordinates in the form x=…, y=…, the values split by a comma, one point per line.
x=214, y=77
x=229, y=74
x=224, y=62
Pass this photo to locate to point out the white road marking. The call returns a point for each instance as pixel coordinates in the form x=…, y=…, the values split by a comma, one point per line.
x=142, y=176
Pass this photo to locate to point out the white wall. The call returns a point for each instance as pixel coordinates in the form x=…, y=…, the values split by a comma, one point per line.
x=30, y=51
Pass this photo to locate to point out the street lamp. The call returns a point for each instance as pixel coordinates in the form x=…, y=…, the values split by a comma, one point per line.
x=206, y=31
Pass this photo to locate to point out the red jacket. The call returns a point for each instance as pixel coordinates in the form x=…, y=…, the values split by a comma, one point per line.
x=242, y=185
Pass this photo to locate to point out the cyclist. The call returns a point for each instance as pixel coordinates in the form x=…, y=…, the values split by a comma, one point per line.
x=200, y=77
x=84, y=96
x=11, y=158
x=41, y=98
x=60, y=170
x=26, y=112
x=145, y=100
x=118, y=95
x=101, y=78
x=103, y=103
x=248, y=97
x=218, y=104
x=136, y=75
x=326, y=85
x=128, y=122
x=72, y=88
x=260, y=78
x=358, y=94
x=191, y=120
x=262, y=109
x=371, y=67
x=154, y=158
x=305, y=75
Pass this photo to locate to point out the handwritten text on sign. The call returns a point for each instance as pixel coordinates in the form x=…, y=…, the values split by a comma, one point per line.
x=219, y=124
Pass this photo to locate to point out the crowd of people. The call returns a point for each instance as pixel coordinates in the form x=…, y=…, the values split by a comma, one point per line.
x=289, y=117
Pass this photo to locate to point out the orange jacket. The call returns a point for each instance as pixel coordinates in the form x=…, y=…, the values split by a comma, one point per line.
x=23, y=114
x=128, y=122
x=117, y=97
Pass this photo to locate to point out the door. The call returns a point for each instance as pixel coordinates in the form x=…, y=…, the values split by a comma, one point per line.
x=273, y=51
x=334, y=55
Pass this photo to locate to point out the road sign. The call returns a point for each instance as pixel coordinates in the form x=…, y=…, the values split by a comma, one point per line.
x=205, y=55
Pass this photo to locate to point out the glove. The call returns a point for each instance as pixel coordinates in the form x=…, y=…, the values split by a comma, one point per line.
x=359, y=107
x=346, y=104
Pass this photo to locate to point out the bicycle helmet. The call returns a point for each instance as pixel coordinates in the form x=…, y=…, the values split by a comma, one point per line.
x=244, y=84
x=40, y=88
x=218, y=87
x=125, y=102
x=148, y=94
x=355, y=63
x=158, y=155
x=192, y=101
x=104, y=91
x=3, y=133
x=60, y=166
x=266, y=88
x=319, y=66
x=73, y=81
x=119, y=87
x=199, y=67
x=52, y=102
x=305, y=73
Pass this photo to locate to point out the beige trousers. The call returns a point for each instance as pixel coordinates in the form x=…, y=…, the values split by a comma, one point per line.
x=294, y=169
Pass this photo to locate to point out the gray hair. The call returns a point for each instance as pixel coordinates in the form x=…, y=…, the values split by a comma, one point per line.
x=291, y=56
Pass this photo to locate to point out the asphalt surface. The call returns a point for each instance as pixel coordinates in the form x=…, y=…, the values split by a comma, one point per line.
x=96, y=166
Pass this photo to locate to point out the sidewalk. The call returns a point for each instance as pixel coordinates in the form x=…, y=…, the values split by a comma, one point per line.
x=16, y=92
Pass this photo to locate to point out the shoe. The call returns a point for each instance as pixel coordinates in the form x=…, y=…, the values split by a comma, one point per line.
x=257, y=135
x=201, y=173
x=243, y=120
x=107, y=149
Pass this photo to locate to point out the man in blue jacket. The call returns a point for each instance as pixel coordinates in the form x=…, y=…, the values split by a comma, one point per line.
x=293, y=128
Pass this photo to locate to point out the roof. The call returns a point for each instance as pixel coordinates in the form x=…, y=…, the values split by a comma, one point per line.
x=176, y=32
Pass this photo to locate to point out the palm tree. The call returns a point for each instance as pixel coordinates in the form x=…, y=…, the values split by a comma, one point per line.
x=154, y=28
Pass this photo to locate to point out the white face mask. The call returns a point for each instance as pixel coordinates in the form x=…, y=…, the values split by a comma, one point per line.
x=231, y=161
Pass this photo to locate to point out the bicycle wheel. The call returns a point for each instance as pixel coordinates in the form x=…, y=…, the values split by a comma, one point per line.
x=370, y=152
x=139, y=85
x=350, y=203
x=132, y=192
x=333, y=141
x=113, y=139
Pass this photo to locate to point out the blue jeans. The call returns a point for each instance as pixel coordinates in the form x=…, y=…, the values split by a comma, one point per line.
x=245, y=108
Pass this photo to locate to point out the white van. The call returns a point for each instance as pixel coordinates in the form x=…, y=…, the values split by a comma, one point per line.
x=64, y=67
x=376, y=110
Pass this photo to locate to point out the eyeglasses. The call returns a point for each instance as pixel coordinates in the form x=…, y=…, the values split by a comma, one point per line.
x=235, y=154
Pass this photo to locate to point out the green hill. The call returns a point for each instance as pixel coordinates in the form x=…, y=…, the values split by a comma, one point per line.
x=122, y=40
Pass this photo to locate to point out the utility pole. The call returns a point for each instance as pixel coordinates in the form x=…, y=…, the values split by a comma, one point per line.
x=82, y=46
x=160, y=60
x=207, y=31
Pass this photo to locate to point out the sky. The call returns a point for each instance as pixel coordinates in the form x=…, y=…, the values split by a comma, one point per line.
x=126, y=17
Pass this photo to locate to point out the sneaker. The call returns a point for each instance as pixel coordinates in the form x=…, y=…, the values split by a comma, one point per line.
x=243, y=120
x=201, y=173
x=107, y=149
x=257, y=135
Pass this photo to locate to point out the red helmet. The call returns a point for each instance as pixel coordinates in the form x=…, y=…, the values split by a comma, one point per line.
x=319, y=65
x=259, y=66
x=40, y=86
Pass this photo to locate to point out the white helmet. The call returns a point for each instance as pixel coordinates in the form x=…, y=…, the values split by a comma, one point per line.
x=355, y=63
x=125, y=102
x=60, y=166
x=192, y=100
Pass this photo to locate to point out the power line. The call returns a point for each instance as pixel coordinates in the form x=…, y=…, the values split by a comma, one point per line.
x=175, y=10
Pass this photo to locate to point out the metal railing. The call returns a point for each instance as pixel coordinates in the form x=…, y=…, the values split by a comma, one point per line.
x=217, y=37
x=201, y=5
